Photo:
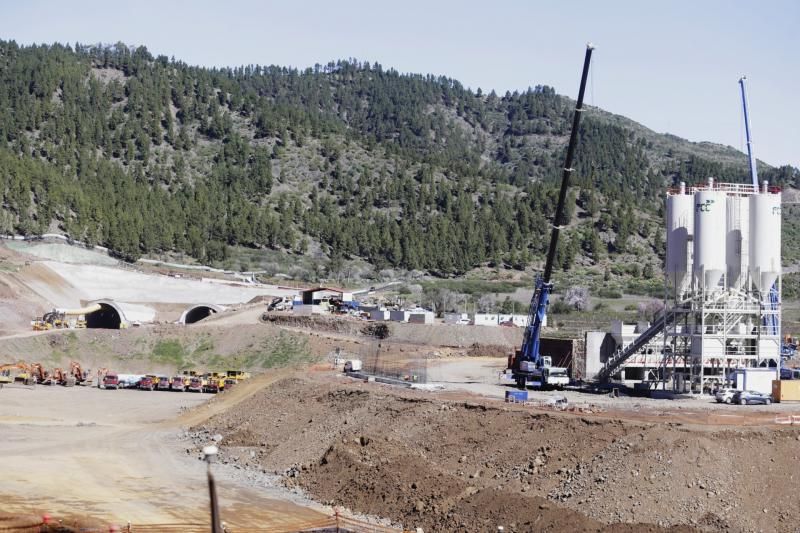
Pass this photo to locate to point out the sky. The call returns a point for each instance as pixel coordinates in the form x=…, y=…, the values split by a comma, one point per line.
x=671, y=65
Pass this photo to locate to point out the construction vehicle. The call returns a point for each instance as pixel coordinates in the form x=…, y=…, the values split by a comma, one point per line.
x=238, y=375
x=214, y=383
x=178, y=383
x=80, y=376
x=41, y=376
x=22, y=373
x=5, y=377
x=111, y=381
x=64, y=318
x=196, y=384
x=148, y=382
x=528, y=365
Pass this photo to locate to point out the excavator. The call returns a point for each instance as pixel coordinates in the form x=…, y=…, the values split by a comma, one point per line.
x=60, y=377
x=22, y=373
x=40, y=375
x=64, y=318
x=528, y=365
x=78, y=374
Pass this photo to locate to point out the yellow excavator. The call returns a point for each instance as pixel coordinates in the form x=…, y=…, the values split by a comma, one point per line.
x=64, y=318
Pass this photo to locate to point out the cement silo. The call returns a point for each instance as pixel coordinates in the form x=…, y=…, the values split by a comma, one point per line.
x=680, y=228
x=709, y=262
x=765, y=239
x=737, y=240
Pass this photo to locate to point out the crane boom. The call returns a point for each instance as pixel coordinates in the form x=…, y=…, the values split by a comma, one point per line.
x=529, y=354
x=750, y=155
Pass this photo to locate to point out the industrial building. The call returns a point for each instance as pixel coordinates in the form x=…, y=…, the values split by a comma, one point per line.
x=722, y=303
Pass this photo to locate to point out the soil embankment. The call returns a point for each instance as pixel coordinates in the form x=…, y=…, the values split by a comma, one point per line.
x=458, y=466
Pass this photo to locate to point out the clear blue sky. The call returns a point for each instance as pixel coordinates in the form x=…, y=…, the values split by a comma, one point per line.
x=671, y=65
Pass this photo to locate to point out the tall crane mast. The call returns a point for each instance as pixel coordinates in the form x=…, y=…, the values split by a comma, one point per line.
x=750, y=155
x=528, y=362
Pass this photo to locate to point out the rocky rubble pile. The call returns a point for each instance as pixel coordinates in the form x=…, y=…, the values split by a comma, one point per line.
x=458, y=466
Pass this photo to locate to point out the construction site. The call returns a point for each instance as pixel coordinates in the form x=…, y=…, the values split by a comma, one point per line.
x=317, y=411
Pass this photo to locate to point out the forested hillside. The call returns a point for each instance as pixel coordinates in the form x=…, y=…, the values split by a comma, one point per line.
x=144, y=154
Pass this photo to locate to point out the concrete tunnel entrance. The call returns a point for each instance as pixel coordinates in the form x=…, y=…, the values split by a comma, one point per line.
x=198, y=312
x=106, y=318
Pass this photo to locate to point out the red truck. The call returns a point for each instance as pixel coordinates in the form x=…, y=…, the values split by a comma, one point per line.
x=111, y=381
x=147, y=383
x=195, y=384
x=177, y=384
x=163, y=383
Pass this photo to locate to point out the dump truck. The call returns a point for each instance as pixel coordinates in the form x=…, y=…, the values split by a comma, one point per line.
x=213, y=385
x=238, y=375
x=163, y=383
x=196, y=384
x=147, y=382
x=178, y=384
x=111, y=381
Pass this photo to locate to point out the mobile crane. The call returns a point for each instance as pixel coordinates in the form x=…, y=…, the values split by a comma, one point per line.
x=527, y=364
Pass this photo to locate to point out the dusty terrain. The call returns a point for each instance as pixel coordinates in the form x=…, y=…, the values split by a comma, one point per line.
x=447, y=456
x=471, y=465
x=119, y=456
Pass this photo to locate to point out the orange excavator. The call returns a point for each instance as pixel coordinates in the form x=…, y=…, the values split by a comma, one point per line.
x=39, y=374
x=77, y=373
x=60, y=377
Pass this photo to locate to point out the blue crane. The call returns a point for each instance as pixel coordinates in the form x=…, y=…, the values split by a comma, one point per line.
x=528, y=364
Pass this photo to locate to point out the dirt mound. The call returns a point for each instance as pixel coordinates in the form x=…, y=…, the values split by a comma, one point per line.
x=326, y=324
x=454, y=466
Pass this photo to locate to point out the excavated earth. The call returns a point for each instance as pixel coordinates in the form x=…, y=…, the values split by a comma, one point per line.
x=470, y=464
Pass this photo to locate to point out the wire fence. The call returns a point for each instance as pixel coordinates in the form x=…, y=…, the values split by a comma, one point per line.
x=383, y=358
x=13, y=523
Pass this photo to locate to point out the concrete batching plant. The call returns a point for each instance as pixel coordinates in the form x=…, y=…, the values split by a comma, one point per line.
x=722, y=304
x=723, y=268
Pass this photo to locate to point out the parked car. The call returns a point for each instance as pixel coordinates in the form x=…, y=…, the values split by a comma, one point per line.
x=724, y=395
x=749, y=397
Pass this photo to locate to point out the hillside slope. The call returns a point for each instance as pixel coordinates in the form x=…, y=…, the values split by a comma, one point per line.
x=148, y=155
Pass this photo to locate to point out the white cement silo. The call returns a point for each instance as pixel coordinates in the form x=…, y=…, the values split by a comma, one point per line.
x=737, y=240
x=765, y=239
x=709, y=239
x=680, y=227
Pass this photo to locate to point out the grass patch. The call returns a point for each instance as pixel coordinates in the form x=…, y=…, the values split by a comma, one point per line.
x=475, y=287
x=170, y=352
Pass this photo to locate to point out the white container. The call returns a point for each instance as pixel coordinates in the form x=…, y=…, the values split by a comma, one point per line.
x=399, y=316
x=765, y=240
x=485, y=319
x=680, y=228
x=422, y=317
x=709, y=239
x=737, y=239
x=379, y=314
x=755, y=379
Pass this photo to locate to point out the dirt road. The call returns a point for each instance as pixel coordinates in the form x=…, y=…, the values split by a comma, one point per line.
x=117, y=455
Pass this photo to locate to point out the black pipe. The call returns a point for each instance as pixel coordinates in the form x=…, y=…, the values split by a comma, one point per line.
x=562, y=195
